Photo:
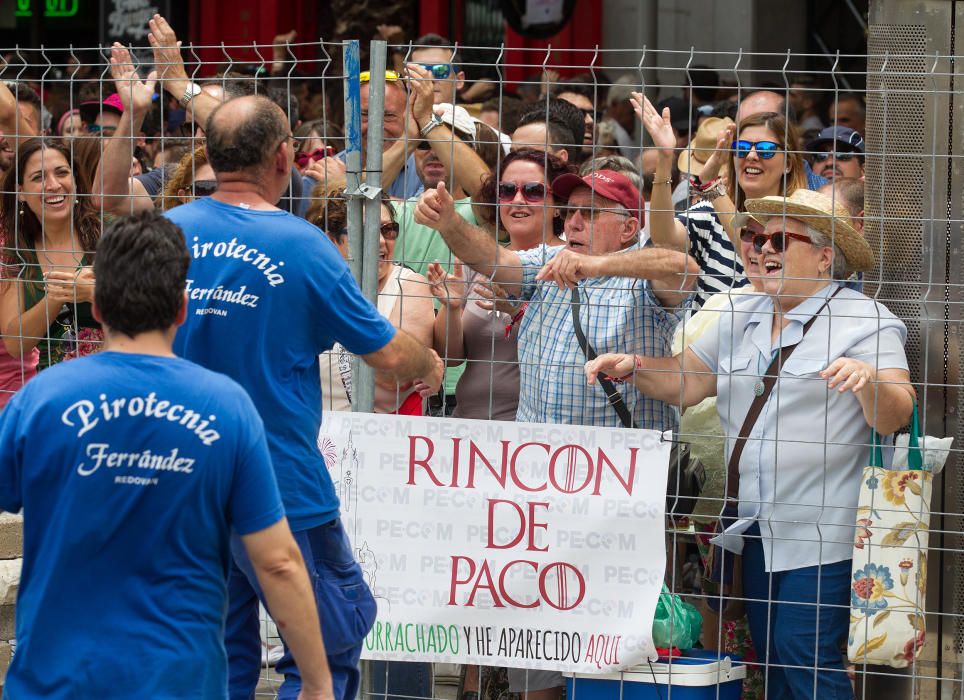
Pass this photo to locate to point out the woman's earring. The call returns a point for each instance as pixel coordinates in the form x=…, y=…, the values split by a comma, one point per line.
x=21, y=208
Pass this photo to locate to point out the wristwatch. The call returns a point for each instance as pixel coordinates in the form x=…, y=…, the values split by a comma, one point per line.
x=435, y=121
x=190, y=92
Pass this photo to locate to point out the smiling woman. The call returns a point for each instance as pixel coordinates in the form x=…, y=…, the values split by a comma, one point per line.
x=476, y=324
x=759, y=158
x=48, y=232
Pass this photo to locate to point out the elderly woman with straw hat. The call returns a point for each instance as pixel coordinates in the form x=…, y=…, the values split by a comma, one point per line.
x=796, y=441
x=764, y=160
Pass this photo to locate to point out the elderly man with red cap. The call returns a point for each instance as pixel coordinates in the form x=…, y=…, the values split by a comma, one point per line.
x=601, y=290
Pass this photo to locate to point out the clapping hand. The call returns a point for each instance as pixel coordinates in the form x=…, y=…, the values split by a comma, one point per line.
x=136, y=95
x=448, y=288
x=658, y=126
x=711, y=169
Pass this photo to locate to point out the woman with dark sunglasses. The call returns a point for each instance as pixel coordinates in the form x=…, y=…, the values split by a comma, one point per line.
x=193, y=177
x=760, y=158
x=476, y=324
x=403, y=298
x=791, y=505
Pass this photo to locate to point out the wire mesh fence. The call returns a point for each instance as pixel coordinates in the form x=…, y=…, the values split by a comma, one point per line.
x=535, y=210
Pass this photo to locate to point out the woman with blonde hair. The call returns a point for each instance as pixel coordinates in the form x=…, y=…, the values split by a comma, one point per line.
x=765, y=161
x=193, y=177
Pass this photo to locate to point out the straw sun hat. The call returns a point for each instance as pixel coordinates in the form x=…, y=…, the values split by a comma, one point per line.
x=692, y=160
x=825, y=215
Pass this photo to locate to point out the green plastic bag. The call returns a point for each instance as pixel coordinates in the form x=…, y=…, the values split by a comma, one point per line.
x=676, y=623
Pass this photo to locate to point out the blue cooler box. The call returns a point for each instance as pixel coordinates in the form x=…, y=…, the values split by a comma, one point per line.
x=700, y=675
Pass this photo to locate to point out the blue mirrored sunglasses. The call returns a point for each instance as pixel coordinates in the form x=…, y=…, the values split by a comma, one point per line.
x=439, y=71
x=764, y=149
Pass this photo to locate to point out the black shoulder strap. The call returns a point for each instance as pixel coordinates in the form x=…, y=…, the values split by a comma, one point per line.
x=612, y=393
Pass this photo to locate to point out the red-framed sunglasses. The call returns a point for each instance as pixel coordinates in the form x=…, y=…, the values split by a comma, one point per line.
x=778, y=239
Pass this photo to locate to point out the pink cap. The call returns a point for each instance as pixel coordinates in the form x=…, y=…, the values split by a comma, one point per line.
x=90, y=110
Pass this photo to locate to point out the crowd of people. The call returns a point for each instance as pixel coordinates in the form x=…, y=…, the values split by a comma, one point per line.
x=535, y=261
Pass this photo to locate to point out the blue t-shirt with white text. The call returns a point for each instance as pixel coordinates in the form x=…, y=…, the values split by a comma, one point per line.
x=267, y=293
x=132, y=471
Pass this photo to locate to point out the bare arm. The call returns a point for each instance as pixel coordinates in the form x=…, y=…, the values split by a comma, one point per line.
x=113, y=189
x=416, y=312
x=13, y=123
x=671, y=273
x=450, y=290
x=682, y=380
x=171, y=70
x=457, y=156
x=886, y=396
x=281, y=572
x=664, y=228
x=405, y=359
x=470, y=244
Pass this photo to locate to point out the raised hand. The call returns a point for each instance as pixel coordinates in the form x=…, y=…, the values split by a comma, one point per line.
x=167, y=50
x=423, y=93
x=723, y=150
x=448, y=288
x=658, y=126
x=436, y=209
x=136, y=95
x=330, y=170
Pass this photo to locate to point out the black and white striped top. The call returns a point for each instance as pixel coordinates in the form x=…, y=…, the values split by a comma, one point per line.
x=720, y=267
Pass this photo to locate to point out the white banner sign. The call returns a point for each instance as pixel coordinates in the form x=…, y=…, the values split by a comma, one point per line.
x=504, y=544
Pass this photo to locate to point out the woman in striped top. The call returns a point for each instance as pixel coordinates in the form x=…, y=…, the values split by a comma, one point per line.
x=766, y=159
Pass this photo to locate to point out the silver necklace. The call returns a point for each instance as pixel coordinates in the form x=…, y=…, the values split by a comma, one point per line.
x=758, y=385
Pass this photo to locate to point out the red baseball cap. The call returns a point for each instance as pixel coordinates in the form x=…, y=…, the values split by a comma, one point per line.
x=606, y=183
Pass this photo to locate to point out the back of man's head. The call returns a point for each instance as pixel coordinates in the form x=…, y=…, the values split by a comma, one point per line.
x=140, y=271
x=849, y=191
x=563, y=113
x=244, y=133
x=765, y=101
x=437, y=41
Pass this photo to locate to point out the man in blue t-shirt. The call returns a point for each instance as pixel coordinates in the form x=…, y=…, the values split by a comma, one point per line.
x=132, y=468
x=267, y=293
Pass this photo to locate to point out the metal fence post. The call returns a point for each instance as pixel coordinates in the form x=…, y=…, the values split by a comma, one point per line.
x=366, y=246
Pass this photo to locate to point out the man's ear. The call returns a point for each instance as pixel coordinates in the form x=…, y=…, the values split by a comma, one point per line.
x=631, y=230
x=563, y=155
x=95, y=312
x=181, y=312
x=460, y=80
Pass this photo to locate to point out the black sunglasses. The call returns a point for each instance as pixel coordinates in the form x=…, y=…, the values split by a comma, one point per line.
x=532, y=192
x=205, y=188
x=843, y=157
x=779, y=240
x=389, y=230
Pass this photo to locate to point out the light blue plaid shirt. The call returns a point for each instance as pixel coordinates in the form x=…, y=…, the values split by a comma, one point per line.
x=618, y=314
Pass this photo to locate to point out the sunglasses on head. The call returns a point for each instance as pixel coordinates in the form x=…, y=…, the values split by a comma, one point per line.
x=205, y=188
x=390, y=75
x=532, y=192
x=836, y=155
x=764, y=149
x=779, y=240
x=389, y=230
x=439, y=71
